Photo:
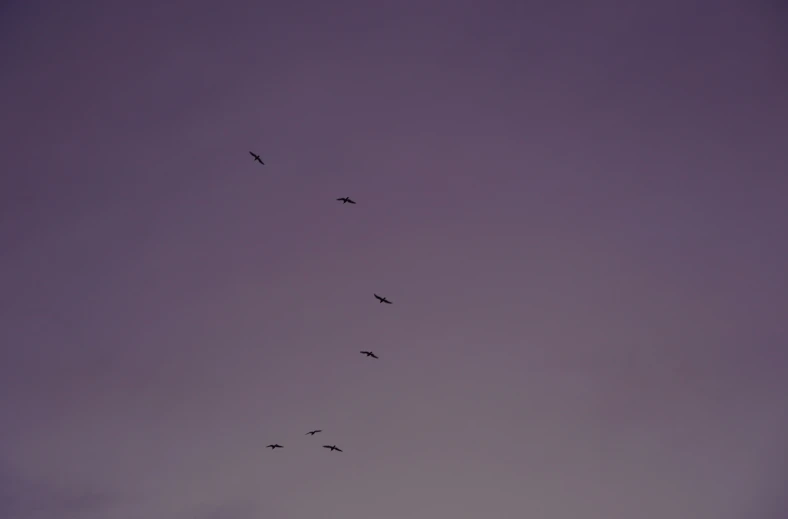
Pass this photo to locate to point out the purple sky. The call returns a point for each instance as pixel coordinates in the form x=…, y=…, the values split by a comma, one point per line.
x=577, y=208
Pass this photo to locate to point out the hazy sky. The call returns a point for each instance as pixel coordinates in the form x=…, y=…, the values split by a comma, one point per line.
x=577, y=208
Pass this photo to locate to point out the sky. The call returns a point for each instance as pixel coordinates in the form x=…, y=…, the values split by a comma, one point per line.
x=576, y=208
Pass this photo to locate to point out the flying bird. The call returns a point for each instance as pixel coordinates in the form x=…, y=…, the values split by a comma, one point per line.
x=273, y=446
x=332, y=448
x=382, y=299
x=345, y=200
x=370, y=354
x=312, y=433
x=257, y=158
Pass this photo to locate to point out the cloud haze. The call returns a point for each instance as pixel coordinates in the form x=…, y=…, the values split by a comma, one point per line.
x=577, y=210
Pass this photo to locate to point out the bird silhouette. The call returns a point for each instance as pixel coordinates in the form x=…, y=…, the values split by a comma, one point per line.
x=370, y=354
x=382, y=299
x=312, y=433
x=345, y=200
x=332, y=448
x=273, y=446
x=257, y=158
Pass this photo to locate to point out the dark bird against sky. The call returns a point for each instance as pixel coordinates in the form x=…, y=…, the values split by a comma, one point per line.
x=312, y=433
x=273, y=446
x=370, y=354
x=257, y=158
x=345, y=200
x=382, y=299
x=332, y=448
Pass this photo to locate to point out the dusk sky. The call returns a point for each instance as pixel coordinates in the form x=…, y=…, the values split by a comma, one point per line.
x=577, y=208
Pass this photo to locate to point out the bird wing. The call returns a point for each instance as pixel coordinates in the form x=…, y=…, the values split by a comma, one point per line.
x=374, y=356
x=378, y=297
x=386, y=301
x=351, y=201
x=338, y=449
x=326, y=446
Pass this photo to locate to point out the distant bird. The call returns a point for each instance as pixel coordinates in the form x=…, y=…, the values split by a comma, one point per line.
x=370, y=354
x=312, y=433
x=345, y=200
x=382, y=299
x=257, y=158
x=332, y=448
x=273, y=446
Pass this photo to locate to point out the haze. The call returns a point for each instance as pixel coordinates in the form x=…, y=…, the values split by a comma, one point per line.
x=576, y=208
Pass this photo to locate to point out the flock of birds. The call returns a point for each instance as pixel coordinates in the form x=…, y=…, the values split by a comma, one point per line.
x=369, y=354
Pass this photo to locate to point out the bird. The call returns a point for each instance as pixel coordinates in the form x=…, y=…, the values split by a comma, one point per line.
x=370, y=354
x=382, y=299
x=312, y=433
x=345, y=200
x=332, y=448
x=273, y=446
x=257, y=158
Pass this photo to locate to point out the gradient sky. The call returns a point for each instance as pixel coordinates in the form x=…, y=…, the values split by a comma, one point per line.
x=577, y=208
